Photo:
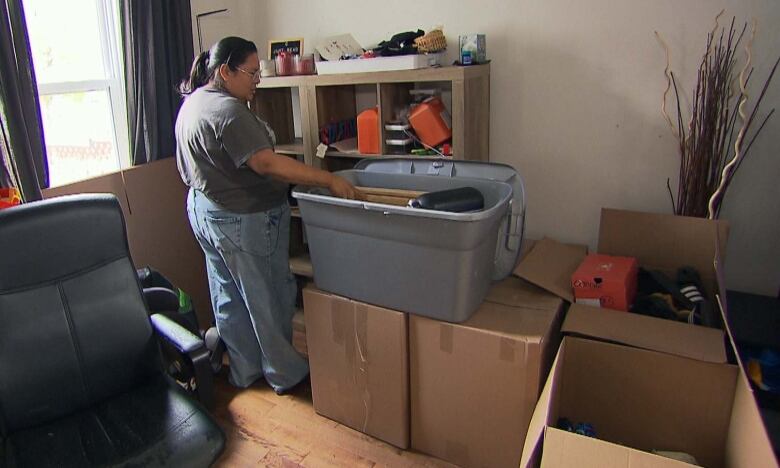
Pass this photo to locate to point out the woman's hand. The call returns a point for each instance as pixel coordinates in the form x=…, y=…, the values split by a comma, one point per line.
x=340, y=187
x=291, y=171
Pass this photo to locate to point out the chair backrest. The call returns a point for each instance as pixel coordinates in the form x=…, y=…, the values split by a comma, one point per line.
x=73, y=325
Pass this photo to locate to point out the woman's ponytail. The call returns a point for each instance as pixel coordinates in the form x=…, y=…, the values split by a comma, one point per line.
x=199, y=75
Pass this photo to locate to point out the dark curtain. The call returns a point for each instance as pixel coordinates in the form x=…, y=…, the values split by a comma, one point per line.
x=157, y=37
x=22, y=150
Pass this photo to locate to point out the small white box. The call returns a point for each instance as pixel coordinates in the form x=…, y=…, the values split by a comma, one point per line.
x=400, y=62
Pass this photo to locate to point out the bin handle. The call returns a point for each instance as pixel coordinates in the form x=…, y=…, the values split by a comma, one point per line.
x=515, y=228
x=441, y=168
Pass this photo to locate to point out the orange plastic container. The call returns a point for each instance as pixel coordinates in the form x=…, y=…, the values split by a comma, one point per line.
x=368, y=131
x=431, y=121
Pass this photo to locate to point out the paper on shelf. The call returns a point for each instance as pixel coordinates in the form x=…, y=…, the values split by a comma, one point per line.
x=347, y=145
x=321, y=149
x=334, y=47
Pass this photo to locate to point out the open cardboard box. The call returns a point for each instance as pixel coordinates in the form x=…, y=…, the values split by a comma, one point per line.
x=647, y=383
x=641, y=392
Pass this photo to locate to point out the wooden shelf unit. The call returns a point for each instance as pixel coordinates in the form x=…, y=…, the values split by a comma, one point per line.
x=329, y=98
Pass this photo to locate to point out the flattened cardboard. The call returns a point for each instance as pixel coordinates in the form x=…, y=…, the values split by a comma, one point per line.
x=666, y=336
x=158, y=230
x=475, y=384
x=358, y=356
x=550, y=265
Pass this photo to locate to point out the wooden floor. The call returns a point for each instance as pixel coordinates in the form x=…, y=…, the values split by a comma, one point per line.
x=264, y=429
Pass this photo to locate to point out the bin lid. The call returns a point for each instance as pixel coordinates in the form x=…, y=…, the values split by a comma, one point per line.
x=511, y=231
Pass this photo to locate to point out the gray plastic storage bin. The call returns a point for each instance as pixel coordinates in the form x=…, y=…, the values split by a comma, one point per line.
x=432, y=263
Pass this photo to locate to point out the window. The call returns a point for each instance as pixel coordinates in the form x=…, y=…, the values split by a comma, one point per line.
x=76, y=50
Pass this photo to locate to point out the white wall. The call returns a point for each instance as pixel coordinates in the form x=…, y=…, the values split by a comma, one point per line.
x=576, y=90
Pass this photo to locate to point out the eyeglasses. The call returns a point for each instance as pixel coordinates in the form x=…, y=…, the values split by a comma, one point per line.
x=255, y=76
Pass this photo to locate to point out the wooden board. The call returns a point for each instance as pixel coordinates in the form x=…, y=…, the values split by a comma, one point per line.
x=390, y=192
x=389, y=196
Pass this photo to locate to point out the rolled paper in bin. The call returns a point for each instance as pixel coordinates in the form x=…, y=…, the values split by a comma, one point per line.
x=456, y=200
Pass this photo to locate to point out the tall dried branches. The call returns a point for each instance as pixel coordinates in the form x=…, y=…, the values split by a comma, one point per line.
x=708, y=161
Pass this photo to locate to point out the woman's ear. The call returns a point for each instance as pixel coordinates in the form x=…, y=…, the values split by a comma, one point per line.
x=224, y=71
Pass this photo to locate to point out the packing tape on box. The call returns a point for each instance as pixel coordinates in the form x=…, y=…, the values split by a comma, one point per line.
x=507, y=347
x=361, y=362
x=445, y=337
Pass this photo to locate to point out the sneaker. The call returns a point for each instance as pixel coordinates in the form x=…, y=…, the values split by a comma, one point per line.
x=216, y=348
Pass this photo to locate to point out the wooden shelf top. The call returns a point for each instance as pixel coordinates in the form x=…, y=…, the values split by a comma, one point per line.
x=295, y=148
x=283, y=81
x=447, y=73
x=339, y=154
x=301, y=265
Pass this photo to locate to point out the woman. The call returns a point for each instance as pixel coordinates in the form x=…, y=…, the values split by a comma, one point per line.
x=238, y=211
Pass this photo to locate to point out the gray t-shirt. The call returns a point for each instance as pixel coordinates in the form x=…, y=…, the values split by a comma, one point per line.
x=215, y=136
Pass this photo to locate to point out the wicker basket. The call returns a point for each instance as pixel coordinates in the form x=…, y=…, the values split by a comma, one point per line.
x=434, y=41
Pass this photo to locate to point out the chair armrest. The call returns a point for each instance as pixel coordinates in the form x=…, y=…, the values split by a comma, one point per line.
x=194, y=349
x=161, y=299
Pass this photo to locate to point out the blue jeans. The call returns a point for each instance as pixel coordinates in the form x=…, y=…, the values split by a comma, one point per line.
x=252, y=289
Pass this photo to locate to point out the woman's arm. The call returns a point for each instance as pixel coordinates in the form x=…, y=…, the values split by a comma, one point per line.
x=289, y=170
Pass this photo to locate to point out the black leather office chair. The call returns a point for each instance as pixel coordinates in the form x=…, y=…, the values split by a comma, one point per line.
x=81, y=381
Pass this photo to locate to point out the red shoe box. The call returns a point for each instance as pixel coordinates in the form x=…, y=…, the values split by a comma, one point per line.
x=605, y=281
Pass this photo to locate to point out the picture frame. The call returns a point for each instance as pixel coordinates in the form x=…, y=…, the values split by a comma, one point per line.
x=292, y=45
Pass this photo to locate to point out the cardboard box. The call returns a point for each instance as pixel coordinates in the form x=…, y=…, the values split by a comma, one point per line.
x=666, y=242
x=605, y=281
x=641, y=394
x=359, y=360
x=474, y=384
x=658, y=242
x=729, y=433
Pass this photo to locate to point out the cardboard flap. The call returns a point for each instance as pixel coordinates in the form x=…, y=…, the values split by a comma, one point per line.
x=550, y=265
x=666, y=336
x=747, y=443
x=539, y=420
x=564, y=449
x=662, y=241
x=516, y=292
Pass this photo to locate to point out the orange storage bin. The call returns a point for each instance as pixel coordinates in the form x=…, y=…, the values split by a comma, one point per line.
x=368, y=131
x=9, y=197
x=431, y=122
